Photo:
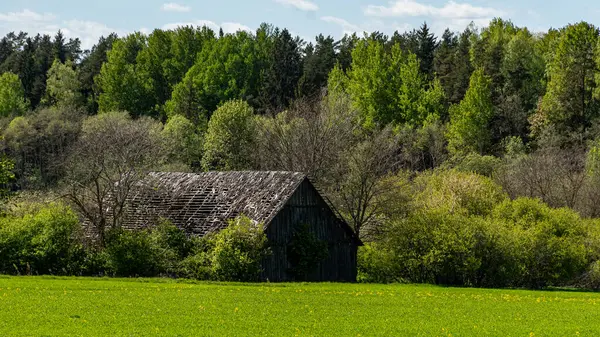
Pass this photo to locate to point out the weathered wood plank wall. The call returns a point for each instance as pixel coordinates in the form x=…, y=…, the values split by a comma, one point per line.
x=306, y=206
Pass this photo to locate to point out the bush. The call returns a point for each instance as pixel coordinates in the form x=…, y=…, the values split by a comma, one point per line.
x=476, y=163
x=238, y=251
x=456, y=192
x=233, y=254
x=377, y=263
x=461, y=241
x=140, y=253
x=555, y=252
x=45, y=239
x=171, y=237
x=197, y=266
x=591, y=278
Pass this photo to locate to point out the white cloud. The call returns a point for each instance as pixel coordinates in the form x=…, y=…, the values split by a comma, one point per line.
x=346, y=26
x=28, y=21
x=47, y=23
x=232, y=27
x=87, y=31
x=228, y=27
x=175, y=7
x=302, y=5
x=368, y=27
x=26, y=15
x=451, y=10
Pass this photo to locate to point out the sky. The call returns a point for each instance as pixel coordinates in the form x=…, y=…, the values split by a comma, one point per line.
x=305, y=18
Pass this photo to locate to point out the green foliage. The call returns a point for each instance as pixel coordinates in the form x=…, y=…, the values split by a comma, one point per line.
x=62, y=86
x=283, y=68
x=452, y=64
x=238, y=251
x=12, y=97
x=593, y=159
x=442, y=248
x=121, y=87
x=423, y=147
x=37, y=144
x=427, y=44
x=554, y=252
x=229, y=142
x=90, y=67
x=305, y=252
x=184, y=141
x=469, y=121
x=167, y=58
x=6, y=175
x=462, y=230
x=388, y=87
x=488, y=51
x=41, y=239
x=591, y=279
x=142, y=252
x=452, y=191
x=377, y=263
x=417, y=101
x=198, y=265
x=317, y=64
x=475, y=163
x=226, y=69
x=233, y=254
x=569, y=102
x=337, y=82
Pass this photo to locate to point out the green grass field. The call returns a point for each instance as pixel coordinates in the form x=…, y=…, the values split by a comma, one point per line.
x=36, y=306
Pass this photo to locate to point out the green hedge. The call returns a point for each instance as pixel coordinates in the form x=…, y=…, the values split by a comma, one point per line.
x=44, y=240
x=463, y=231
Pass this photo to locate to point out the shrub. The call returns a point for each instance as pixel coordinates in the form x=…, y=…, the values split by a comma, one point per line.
x=96, y=263
x=377, y=263
x=45, y=239
x=591, y=278
x=427, y=247
x=197, y=266
x=476, y=163
x=554, y=250
x=238, y=251
x=462, y=230
x=456, y=192
x=233, y=254
x=169, y=236
x=139, y=253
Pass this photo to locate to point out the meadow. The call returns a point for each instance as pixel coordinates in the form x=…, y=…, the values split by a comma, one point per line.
x=45, y=306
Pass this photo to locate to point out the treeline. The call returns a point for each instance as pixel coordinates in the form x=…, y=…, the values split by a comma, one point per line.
x=370, y=117
x=523, y=84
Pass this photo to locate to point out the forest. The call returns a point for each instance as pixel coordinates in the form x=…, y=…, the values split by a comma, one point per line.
x=471, y=158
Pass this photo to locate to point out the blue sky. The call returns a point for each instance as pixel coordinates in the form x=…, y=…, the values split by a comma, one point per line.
x=306, y=18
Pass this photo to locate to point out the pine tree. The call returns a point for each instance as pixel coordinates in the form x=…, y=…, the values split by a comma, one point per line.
x=427, y=45
x=90, y=67
x=280, y=78
x=318, y=63
x=445, y=60
x=60, y=49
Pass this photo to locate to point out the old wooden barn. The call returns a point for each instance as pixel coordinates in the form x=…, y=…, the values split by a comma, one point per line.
x=283, y=201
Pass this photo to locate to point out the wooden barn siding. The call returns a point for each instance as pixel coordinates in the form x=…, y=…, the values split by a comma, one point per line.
x=306, y=206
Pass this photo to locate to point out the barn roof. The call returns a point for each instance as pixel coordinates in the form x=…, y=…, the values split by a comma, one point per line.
x=203, y=202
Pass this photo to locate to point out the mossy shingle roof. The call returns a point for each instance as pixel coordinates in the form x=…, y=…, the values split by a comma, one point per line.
x=204, y=202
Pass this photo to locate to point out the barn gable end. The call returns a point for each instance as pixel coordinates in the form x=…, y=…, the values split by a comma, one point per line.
x=307, y=207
